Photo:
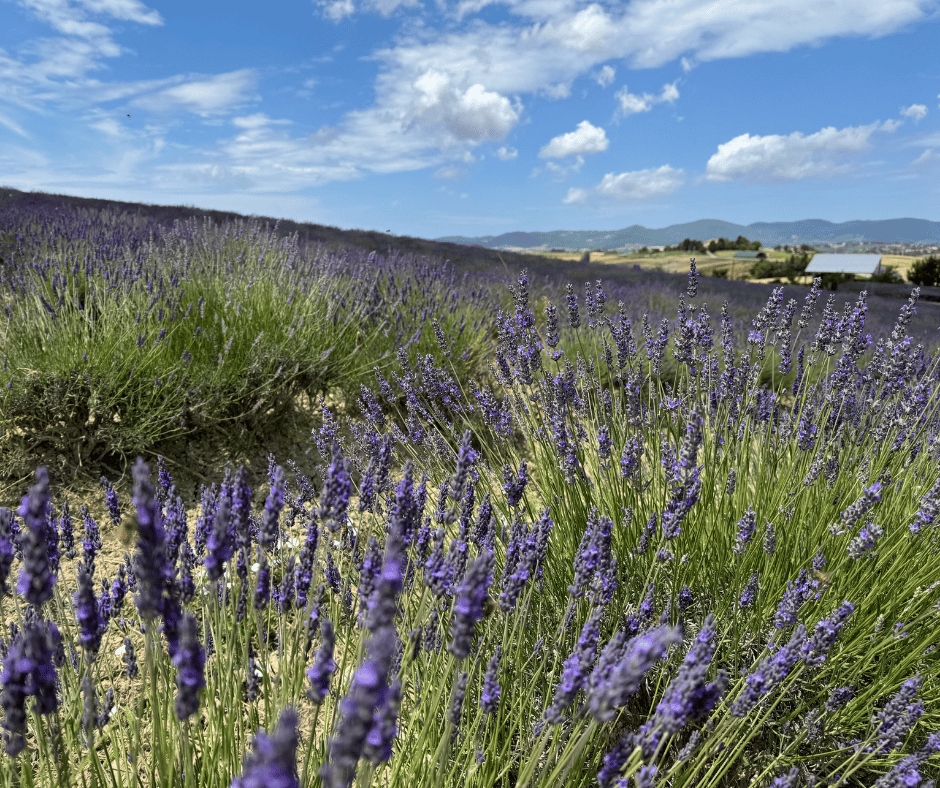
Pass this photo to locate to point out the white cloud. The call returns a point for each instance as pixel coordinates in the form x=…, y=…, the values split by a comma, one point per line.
x=915, y=111
x=630, y=103
x=13, y=126
x=628, y=186
x=474, y=113
x=605, y=76
x=927, y=155
x=214, y=95
x=793, y=157
x=586, y=139
x=506, y=154
x=687, y=65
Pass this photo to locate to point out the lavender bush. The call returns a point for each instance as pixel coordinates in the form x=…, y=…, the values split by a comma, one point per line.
x=555, y=570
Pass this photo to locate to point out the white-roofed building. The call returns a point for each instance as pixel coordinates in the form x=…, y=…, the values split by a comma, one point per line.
x=864, y=264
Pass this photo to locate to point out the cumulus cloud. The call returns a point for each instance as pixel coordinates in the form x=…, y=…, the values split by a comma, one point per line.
x=629, y=186
x=506, y=154
x=788, y=158
x=630, y=103
x=585, y=139
x=915, y=111
x=605, y=76
x=475, y=113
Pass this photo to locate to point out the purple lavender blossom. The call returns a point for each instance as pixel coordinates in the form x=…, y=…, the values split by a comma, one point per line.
x=898, y=716
x=574, y=319
x=929, y=508
x=576, y=667
x=91, y=544
x=6, y=548
x=489, y=695
x=617, y=680
x=770, y=538
x=189, y=661
x=864, y=542
x=267, y=534
x=466, y=457
x=858, y=509
x=746, y=600
x=551, y=325
x=469, y=604
x=151, y=564
x=514, y=487
x=357, y=710
x=593, y=552
x=28, y=670
x=273, y=764
x=688, y=697
x=746, y=527
x=219, y=544
x=794, y=596
x=769, y=673
x=788, y=780
x=378, y=744
x=323, y=665
x=905, y=773
x=334, y=500
x=86, y=612
x=825, y=634
x=114, y=506
x=838, y=698
x=263, y=588
x=36, y=579
x=438, y=574
x=130, y=660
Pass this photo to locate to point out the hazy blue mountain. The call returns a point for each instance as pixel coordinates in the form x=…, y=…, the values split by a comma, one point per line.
x=808, y=231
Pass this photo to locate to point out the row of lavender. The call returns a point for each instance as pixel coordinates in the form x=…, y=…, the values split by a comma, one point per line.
x=636, y=630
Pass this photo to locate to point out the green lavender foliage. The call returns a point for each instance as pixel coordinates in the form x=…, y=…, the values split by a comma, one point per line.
x=841, y=480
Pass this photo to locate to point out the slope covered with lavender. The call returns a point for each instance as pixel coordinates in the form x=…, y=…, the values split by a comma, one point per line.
x=540, y=539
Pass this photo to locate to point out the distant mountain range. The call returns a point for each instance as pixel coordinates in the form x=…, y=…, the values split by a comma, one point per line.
x=808, y=231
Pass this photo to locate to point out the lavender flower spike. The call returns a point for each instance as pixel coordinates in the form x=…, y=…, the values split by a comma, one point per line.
x=274, y=761
x=189, y=661
x=606, y=694
x=334, y=500
x=687, y=697
x=36, y=580
x=323, y=664
x=468, y=608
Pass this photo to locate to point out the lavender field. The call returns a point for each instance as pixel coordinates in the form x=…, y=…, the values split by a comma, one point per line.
x=278, y=515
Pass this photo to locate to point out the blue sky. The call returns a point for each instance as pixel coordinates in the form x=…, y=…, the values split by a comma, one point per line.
x=474, y=118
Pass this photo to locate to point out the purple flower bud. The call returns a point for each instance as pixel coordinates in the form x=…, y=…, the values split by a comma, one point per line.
x=114, y=507
x=576, y=667
x=610, y=689
x=514, y=487
x=749, y=593
x=219, y=544
x=36, y=579
x=838, y=698
x=574, y=319
x=151, y=564
x=825, y=634
x=489, y=695
x=86, y=612
x=378, y=744
x=468, y=607
x=929, y=508
x=769, y=673
x=273, y=764
x=323, y=665
x=357, y=710
x=898, y=716
x=551, y=325
x=263, y=589
x=865, y=541
x=858, y=509
x=129, y=659
x=273, y=504
x=334, y=500
x=189, y=661
x=28, y=670
x=746, y=527
x=6, y=548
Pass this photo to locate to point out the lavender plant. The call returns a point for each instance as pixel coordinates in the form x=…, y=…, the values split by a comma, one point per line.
x=550, y=616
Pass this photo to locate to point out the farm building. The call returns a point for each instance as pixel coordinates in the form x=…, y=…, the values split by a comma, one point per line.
x=750, y=256
x=845, y=264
